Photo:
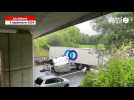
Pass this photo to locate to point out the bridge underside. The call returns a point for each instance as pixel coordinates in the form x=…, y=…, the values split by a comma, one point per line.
x=16, y=57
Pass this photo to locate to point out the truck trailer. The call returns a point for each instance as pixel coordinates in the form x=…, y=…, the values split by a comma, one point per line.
x=78, y=58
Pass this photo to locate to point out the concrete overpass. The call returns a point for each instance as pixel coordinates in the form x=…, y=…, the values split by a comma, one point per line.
x=16, y=57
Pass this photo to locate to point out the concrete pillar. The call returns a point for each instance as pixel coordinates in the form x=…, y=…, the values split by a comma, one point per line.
x=4, y=65
x=18, y=65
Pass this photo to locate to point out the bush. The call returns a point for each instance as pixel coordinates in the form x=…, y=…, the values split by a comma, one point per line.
x=119, y=72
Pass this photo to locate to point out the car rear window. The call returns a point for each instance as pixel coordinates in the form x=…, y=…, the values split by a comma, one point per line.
x=53, y=80
x=50, y=81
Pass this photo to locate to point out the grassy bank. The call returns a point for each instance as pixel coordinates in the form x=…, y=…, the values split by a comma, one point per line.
x=40, y=52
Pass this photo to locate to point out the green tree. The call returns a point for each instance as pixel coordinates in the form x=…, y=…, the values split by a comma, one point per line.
x=115, y=34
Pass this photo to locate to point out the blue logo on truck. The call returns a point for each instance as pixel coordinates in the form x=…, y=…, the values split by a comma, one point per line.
x=71, y=54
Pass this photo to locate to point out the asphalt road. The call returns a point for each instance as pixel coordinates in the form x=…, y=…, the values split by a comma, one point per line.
x=74, y=78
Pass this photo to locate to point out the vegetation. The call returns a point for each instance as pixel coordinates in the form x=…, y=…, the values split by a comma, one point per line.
x=119, y=72
x=116, y=34
x=38, y=52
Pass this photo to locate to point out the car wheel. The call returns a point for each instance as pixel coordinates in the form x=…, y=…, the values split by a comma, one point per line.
x=67, y=85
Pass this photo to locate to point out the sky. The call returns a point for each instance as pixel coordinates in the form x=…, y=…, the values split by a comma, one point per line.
x=86, y=28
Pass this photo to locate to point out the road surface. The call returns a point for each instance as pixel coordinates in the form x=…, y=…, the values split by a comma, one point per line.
x=75, y=79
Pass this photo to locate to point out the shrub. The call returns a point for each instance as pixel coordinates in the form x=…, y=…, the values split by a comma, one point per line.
x=118, y=72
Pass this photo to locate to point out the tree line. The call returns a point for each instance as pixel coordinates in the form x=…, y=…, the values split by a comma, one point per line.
x=68, y=37
x=117, y=33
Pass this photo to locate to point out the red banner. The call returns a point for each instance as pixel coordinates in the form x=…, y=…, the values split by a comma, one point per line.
x=20, y=20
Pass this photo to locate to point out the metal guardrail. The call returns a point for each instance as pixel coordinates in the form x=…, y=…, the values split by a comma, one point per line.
x=38, y=60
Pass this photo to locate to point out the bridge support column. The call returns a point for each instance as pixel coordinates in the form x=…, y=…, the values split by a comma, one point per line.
x=16, y=59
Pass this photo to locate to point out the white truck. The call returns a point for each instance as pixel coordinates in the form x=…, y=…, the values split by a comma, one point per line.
x=77, y=57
